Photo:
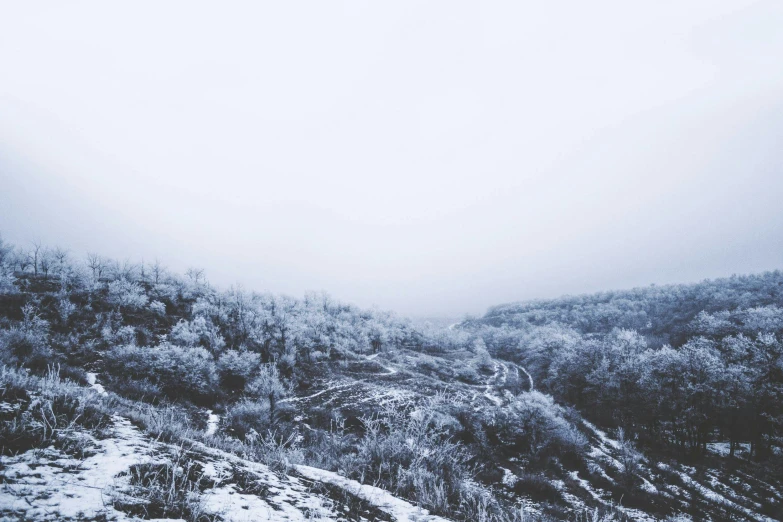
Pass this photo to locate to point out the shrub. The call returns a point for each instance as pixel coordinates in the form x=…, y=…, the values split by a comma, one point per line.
x=165, y=291
x=413, y=456
x=535, y=425
x=268, y=385
x=332, y=447
x=537, y=487
x=183, y=334
x=171, y=490
x=631, y=462
x=126, y=335
x=248, y=418
x=157, y=308
x=75, y=374
x=167, y=422
x=126, y=294
x=7, y=280
x=138, y=390
x=27, y=343
x=49, y=416
x=19, y=348
x=178, y=372
x=427, y=365
x=65, y=308
x=199, y=331
x=236, y=369
x=468, y=373
x=278, y=449
x=483, y=358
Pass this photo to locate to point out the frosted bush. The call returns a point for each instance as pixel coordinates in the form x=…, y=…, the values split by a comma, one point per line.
x=127, y=294
x=158, y=308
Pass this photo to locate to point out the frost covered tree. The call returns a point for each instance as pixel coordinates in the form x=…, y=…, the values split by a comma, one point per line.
x=97, y=264
x=123, y=293
x=268, y=385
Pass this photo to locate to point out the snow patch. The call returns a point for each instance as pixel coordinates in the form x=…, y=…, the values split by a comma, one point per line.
x=212, y=423
x=713, y=495
x=602, y=435
x=330, y=387
x=92, y=380
x=49, y=485
x=401, y=510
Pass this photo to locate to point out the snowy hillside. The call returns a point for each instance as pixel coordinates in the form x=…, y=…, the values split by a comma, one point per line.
x=128, y=392
x=119, y=473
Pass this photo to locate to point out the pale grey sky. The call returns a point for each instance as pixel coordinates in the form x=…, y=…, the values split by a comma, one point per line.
x=434, y=158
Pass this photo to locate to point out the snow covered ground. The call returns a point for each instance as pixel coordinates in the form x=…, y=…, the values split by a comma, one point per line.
x=212, y=423
x=92, y=380
x=399, y=509
x=48, y=484
x=714, y=486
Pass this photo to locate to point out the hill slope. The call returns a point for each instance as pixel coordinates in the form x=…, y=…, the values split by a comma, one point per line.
x=156, y=390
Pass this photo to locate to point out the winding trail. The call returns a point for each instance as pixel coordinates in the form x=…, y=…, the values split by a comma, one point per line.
x=497, y=380
x=495, y=387
x=529, y=377
x=390, y=370
x=317, y=394
x=339, y=386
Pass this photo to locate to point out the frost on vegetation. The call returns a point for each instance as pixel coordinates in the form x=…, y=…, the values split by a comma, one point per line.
x=158, y=308
x=127, y=474
x=52, y=485
x=401, y=510
x=273, y=364
x=127, y=294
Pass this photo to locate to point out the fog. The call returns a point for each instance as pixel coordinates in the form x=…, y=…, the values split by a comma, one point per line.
x=434, y=158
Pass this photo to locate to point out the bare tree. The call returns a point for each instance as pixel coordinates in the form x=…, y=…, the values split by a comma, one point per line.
x=23, y=260
x=195, y=274
x=60, y=256
x=6, y=250
x=60, y=260
x=97, y=264
x=35, y=253
x=45, y=261
x=158, y=271
x=126, y=270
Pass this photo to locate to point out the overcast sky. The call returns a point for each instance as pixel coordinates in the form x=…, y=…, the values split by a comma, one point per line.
x=434, y=158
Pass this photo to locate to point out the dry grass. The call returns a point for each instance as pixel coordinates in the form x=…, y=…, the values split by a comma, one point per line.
x=166, y=490
x=44, y=410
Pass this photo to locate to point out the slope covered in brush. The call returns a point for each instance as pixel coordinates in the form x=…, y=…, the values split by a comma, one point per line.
x=535, y=418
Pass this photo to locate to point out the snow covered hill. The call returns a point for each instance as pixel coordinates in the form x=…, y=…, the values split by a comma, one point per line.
x=130, y=396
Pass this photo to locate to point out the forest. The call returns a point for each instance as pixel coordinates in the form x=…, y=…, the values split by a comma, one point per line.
x=675, y=367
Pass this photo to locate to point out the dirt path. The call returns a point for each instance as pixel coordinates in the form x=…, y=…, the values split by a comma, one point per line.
x=497, y=380
x=330, y=387
x=212, y=423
